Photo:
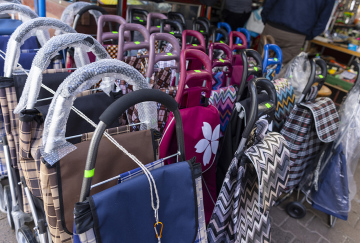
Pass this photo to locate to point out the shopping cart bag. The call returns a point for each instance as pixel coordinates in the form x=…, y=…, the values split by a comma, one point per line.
x=172, y=207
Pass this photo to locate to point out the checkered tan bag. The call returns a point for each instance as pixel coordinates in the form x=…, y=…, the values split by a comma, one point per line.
x=61, y=184
x=309, y=125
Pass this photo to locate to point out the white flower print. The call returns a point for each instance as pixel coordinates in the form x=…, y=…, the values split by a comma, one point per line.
x=209, y=143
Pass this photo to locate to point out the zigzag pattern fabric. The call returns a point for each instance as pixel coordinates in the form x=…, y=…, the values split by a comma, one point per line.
x=223, y=99
x=241, y=212
x=285, y=102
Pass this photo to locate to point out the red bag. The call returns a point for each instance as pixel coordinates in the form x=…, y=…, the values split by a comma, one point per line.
x=201, y=123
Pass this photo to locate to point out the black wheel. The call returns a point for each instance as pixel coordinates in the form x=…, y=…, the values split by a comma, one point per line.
x=8, y=206
x=25, y=235
x=296, y=210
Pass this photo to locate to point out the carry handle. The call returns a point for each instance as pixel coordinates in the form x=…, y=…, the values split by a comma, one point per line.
x=207, y=21
x=320, y=79
x=222, y=33
x=102, y=36
x=238, y=46
x=122, y=47
x=203, y=24
x=196, y=76
x=272, y=61
x=157, y=57
x=13, y=8
x=246, y=33
x=86, y=9
x=137, y=11
x=174, y=24
x=114, y=111
x=267, y=39
x=149, y=19
x=25, y=31
x=177, y=16
x=224, y=26
x=227, y=62
x=197, y=35
x=257, y=110
x=255, y=70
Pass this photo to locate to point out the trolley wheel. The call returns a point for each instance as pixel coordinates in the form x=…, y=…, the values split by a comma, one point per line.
x=25, y=235
x=296, y=210
x=8, y=206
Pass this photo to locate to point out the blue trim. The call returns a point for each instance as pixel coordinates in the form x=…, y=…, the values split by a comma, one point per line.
x=225, y=26
x=272, y=61
x=246, y=33
x=42, y=8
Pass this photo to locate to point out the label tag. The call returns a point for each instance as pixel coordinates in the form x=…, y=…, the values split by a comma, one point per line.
x=321, y=76
x=221, y=60
x=194, y=44
x=267, y=105
x=275, y=59
x=255, y=68
x=137, y=42
x=221, y=42
x=89, y=173
x=169, y=54
x=197, y=71
x=171, y=32
x=115, y=32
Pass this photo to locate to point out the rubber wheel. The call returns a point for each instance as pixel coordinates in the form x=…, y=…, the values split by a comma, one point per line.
x=296, y=210
x=25, y=235
x=8, y=206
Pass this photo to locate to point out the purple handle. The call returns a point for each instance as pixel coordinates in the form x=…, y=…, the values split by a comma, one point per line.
x=153, y=29
x=102, y=36
x=197, y=35
x=157, y=57
x=122, y=46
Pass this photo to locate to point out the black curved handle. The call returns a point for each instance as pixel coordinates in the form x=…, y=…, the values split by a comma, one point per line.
x=247, y=72
x=223, y=33
x=172, y=23
x=117, y=108
x=252, y=117
x=206, y=20
x=267, y=107
x=140, y=12
x=203, y=24
x=176, y=16
x=315, y=78
x=92, y=7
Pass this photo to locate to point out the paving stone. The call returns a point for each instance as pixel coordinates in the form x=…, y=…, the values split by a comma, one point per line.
x=278, y=235
x=2, y=216
x=348, y=240
x=301, y=233
x=7, y=235
x=278, y=216
x=322, y=240
x=319, y=226
x=343, y=227
x=308, y=217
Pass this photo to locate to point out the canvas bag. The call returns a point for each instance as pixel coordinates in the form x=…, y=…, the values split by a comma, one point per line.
x=176, y=186
x=201, y=124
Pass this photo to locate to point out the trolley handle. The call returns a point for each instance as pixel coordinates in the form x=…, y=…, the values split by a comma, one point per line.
x=265, y=108
x=139, y=12
x=255, y=70
x=320, y=79
x=227, y=62
x=137, y=45
x=191, y=75
x=13, y=8
x=177, y=15
x=101, y=36
x=218, y=33
x=238, y=46
x=86, y=9
x=152, y=16
x=272, y=61
x=197, y=35
x=157, y=57
x=246, y=33
x=174, y=24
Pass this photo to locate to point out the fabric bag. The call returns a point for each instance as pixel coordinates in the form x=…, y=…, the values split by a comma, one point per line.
x=164, y=211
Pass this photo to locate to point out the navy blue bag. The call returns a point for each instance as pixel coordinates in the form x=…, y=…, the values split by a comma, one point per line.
x=332, y=196
x=124, y=212
x=8, y=26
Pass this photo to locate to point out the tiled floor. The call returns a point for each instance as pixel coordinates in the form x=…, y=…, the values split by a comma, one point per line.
x=314, y=227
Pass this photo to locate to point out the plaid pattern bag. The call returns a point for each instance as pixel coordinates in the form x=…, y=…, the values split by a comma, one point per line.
x=241, y=213
x=309, y=125
x=50, y=190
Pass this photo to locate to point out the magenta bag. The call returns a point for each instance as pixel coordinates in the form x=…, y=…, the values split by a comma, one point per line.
x=201, y=123
x=237, y=60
